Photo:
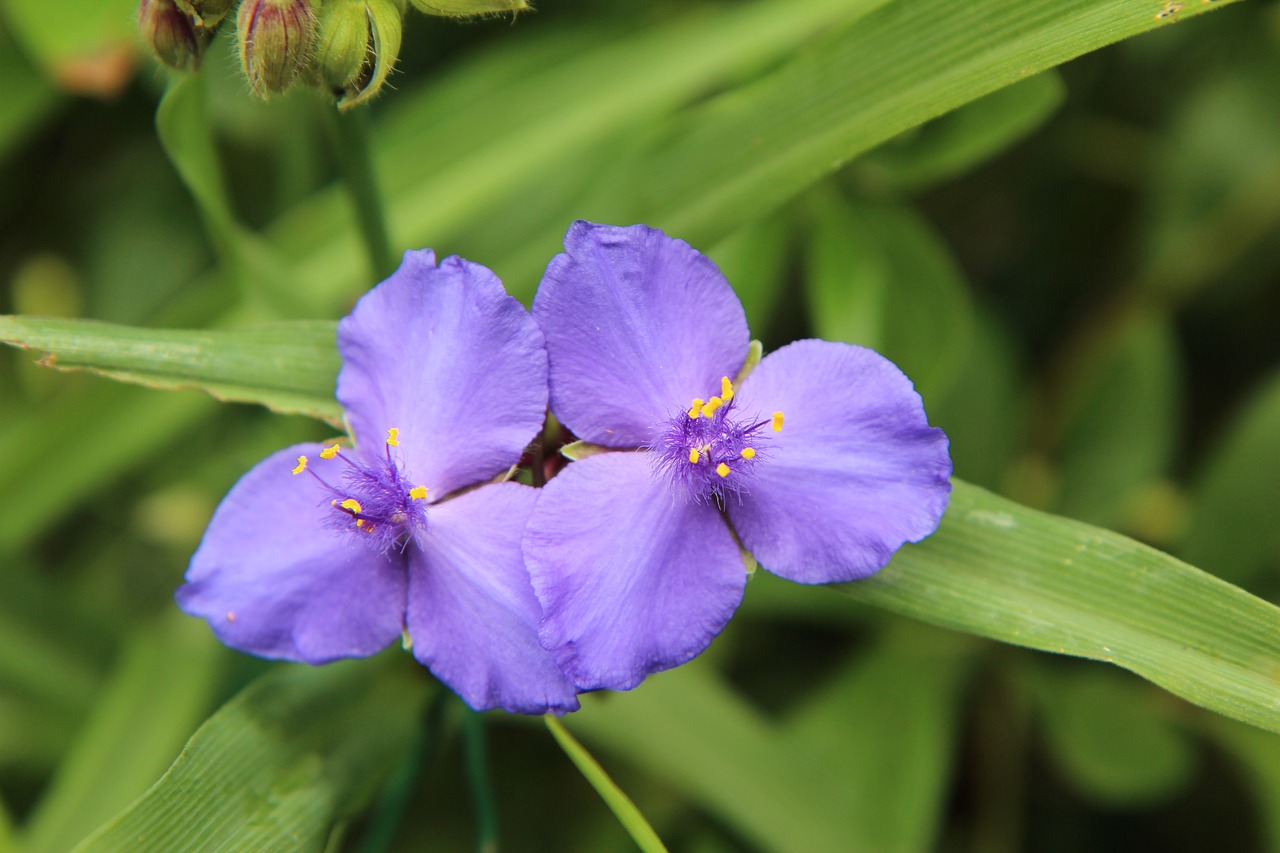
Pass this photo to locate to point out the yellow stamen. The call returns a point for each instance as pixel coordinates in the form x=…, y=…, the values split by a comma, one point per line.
x=711, y=406
x=694, y=455
x=330, y=452
x=418, y=493
x=301, y=466
x=722, y=469
x=359, y=522
x=777, y=421
x=696, y=408
x=351, y=504
x=748, y=453
x=393, y=437
x=726, y=389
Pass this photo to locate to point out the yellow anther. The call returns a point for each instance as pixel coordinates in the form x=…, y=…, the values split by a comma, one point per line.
x=748, y=453
x=696, y=408
x=330, y=452
x=694, y=455
x=351, y=504
x=722, y=469
x=301, y=466
x=418, y=493
x=777, y=421
x=359, y=522
x=726, y=389
x=393, y=437
x=711, y=406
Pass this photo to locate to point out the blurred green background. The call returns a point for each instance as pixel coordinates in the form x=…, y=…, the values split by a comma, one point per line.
x=1080, y=271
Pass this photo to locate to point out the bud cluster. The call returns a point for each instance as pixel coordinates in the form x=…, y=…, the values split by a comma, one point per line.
x=347, y=47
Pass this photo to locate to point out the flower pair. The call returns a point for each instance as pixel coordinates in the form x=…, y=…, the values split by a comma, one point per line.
x=820, y=463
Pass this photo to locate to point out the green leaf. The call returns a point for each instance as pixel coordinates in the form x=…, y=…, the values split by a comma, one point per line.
x=1233, y=530
x=692, y=731
x=1110, y=739
x=73, y=447
x=57, y=33
x=879, y=276
x=28, y=97
x=279, y=766
x=184, y=128
x=891, y=738
x=1119, y=419
x=289, y=367
x=958, y=141
x=1000, y=570
x=159, y=691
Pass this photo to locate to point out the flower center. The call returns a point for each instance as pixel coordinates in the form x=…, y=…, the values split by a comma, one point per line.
x=713, y=448
x=375, y=500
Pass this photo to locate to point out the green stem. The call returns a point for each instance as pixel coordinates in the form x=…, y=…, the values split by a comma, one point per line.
x=477, y=750
x=349, y=135
x=619, y=803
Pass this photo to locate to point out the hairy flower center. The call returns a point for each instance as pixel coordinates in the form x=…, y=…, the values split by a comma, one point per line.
x=375, y=500
x=713, y=448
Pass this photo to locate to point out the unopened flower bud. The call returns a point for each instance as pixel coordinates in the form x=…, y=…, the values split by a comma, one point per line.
x=275, y=41
x=357, y=46
x=469, y=8
x=170, y=34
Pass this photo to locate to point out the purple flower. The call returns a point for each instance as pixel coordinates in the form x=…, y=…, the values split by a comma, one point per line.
x=321, y=553
x=821, y=460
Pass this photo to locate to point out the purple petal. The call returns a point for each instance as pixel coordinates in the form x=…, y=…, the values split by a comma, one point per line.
x=633, y=580
x=448, y=358
x=855, y=472
x=273, y=581
x=472, y=613
x=637, y=325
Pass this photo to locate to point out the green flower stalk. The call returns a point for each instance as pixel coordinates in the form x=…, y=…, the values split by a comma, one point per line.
x=169, y=33
x=357, y=45
x=469, y=8
x=276, y=38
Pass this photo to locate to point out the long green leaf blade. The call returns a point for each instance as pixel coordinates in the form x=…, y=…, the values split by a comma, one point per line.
x=1001, y=570
x=279, y=766
x=288, y=367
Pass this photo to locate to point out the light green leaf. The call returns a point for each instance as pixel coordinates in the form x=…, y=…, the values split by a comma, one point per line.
x=289, y=367
x=891, y=737
x=1233, y=531
x=879, y=276
x=184, y=128
x=958, y=141
x=1110, y=739
x=28, y=97
x=57, y=33
x=1119, y=417
x=158, y=693
x=1003, y=571
x=692, y=731
x=73, y=447
x=279, y=766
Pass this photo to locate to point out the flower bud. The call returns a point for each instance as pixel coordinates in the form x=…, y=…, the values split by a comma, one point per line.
x=170, y=34
x=469, y=8
x=275, y=41
x=357, y=45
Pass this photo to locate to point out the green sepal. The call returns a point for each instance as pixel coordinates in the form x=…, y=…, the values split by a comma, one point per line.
x=755, y=351
x=579, y=450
